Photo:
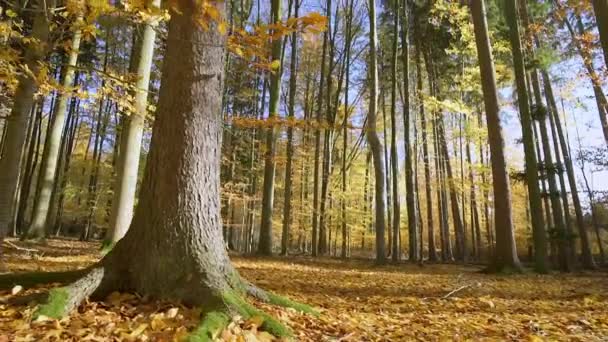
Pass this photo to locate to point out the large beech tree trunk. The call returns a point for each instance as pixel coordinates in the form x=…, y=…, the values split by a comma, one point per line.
x=177, y=221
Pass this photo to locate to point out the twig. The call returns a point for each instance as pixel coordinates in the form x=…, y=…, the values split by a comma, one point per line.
x=455, y=291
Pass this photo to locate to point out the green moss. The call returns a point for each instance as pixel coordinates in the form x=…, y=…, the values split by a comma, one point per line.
x=288, y=303
x=211, y=326
x=106, y=246
x=246, y=310
x=55, y=306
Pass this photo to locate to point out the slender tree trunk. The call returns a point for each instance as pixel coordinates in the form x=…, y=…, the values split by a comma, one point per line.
x=505, y=255
x=16, y=126
x=131, y=136
x=347, y=45
x=287, y=219
x=51, y=153
x=265, y=240
x=587, y=256
x=425, y=158
x=396, y=251
x=373, y=140
x=415, y=253
x=319, y=117
x=30, y=164
x=538, y=225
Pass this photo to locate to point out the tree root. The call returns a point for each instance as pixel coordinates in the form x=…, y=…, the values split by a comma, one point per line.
x=216, y=319
x=62, y=300
x=8, y=281
x=274, y=299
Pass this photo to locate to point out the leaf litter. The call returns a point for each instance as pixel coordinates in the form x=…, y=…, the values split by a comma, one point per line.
x=358, y=301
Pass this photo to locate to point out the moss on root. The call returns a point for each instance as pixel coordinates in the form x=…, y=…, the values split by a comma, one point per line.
x=288, y=303
x=55, y=306
x=214, y=321
x=270, y=324
x=211, y=326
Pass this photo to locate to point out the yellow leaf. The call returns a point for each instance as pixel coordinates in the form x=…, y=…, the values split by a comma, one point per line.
x=140, y=329
x=275, y=65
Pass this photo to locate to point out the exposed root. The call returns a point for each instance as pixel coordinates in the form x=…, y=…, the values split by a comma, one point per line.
x=61, y=301
x=8, y=281
x=274, y=299
x=232, y=303
x=211, y=326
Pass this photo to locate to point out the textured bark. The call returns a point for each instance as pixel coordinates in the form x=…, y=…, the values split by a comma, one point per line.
x=505, y=255
x=51, y=154
x=538, y=225
x=373, y=140
x=179, y=207
x=16, y=126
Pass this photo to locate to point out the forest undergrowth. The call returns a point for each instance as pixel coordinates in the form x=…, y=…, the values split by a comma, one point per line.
x=357, y=301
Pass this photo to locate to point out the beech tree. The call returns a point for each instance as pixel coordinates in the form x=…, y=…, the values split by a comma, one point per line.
x=505, y=255
x=177, y=220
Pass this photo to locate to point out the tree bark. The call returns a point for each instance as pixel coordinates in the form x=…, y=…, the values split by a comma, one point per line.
x=265, y=241
x=600, y=8
x=505, y=255
x=538, y=225
x=16, y=126
x=287, y=219
x=374, y=140
x=177, y=220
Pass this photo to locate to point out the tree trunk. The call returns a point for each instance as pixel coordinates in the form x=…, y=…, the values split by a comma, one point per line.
x=16, y=126
x=265, y=241
x=396, y=248
x=505, y=255
x=287, y=219
x=587, y=256
x=177, y=220
x=131, y=136
x=51, y=153
x=601, y=17
x=538, y=225
x=432, y=250
x=374, y=140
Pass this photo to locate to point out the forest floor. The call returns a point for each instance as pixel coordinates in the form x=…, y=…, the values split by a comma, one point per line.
x=357, y=301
